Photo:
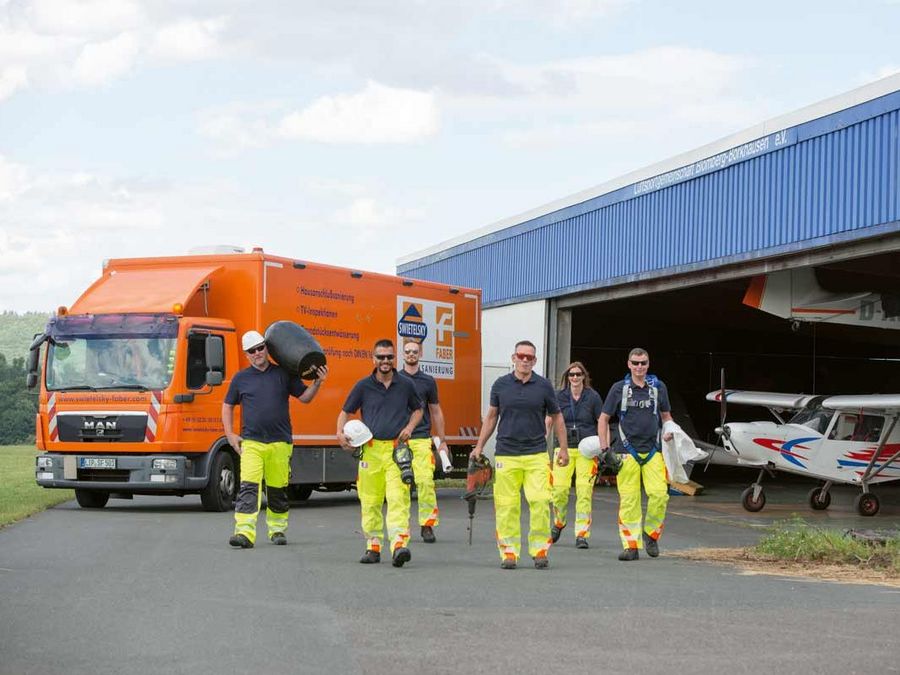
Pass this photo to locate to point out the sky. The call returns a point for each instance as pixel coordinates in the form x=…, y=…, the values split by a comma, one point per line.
x=355, y=132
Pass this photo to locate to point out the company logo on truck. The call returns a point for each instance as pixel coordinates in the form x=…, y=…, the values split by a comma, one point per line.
x=432, y=325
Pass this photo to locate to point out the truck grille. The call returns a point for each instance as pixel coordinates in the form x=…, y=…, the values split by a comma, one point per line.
x=104, y=475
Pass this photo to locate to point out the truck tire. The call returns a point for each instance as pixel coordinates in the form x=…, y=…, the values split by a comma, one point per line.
x=221, y=491
x=299, y=493
x=91, y=499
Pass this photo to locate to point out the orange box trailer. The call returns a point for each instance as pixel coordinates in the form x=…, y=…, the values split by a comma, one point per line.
x=135, y=372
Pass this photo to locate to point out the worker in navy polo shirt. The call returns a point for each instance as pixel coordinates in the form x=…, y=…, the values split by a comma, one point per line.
x=390, y=407
x=420, y=443
x=521, y=401
x=263, y=390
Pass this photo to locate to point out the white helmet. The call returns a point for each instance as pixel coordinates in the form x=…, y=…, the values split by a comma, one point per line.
x=357, y=433
x=251, y=339
x=589, y=447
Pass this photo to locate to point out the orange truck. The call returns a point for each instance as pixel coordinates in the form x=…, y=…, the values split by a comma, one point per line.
x=135, y=372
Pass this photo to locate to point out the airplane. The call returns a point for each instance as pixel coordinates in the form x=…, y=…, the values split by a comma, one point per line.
x=838, y=439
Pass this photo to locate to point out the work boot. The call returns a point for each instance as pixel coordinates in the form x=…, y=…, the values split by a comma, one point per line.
x=278, y=539
x=651, y=545
x=428, y=534
x=629, y=554
x=581, y=542
x=541, y=562
x=401, y=555
x=240, y=541
x=370, y=557
x=555, y=531
x=509, y=563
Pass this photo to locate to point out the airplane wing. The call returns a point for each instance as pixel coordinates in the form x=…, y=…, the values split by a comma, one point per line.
x=766, y=399
x=873, y=402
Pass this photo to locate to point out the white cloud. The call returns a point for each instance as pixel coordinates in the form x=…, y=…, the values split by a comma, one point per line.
x=12, y=78
x=101, y=62
x=189, y=40
x=84, y=17
x=13, y=180
x=882, y=72
x=377, y=114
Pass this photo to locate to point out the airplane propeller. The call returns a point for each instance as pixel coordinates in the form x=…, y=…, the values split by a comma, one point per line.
x=722, y=430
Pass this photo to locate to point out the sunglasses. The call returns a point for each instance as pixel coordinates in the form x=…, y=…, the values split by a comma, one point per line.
x=384, y=357
x=527, y=358
x=575, y=374
x=639, y=363
x=410, y=351
x=254, y=350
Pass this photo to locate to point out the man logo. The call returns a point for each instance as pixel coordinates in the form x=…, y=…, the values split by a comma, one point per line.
x=411, y=324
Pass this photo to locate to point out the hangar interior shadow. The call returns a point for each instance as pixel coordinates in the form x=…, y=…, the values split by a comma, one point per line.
x=693, y=333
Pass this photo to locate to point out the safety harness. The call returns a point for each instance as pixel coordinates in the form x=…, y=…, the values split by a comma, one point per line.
x=627, y=390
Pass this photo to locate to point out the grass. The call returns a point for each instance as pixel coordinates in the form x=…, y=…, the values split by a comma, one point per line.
x=21, y=496
x=795, y=540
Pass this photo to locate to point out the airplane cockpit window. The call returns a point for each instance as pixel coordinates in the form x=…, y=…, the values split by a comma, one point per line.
x=859, y=428
x=816, y=419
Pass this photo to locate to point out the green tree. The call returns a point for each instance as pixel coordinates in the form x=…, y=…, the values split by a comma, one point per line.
x=18, y=405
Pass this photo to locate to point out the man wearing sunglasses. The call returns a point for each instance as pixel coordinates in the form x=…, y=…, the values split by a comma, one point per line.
x=641, y=403
x=519, y=404
x=266, y=442
x=420, y=442
x=391, y=408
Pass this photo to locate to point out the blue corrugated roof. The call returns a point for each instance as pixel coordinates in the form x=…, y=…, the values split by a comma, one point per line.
x=826, y=180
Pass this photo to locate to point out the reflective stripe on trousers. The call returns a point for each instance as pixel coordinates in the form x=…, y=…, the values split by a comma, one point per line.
x=653, y=474
x=423, y=470
x=512, y=474
x=263, y=461
x=379, y=477
x=584, y=469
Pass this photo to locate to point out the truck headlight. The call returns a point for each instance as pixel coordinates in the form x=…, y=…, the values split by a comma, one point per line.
x=167, y=464
x=45, y=462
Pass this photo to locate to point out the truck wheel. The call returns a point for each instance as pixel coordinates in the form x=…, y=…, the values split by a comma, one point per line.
x=299, y=493
x=91, y=499
x=221, y=491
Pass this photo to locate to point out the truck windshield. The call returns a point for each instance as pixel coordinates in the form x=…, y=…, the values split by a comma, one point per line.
x=111, y=352
x=111, y=363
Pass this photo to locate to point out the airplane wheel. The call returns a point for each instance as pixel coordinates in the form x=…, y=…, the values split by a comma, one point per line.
x=867, y=504
x=818, y=500
x=753, y=505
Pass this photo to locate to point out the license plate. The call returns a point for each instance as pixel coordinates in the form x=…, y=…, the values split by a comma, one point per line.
x=96, y=462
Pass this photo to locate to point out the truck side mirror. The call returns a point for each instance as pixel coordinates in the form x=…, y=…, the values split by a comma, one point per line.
x=31, y=365
x=215, y=360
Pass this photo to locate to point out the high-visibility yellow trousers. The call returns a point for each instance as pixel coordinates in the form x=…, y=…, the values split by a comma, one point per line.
x=585, y=470
x=423, y=472
x=263, y=461
x=379, y=477
x=653, y=474
x=512, y=474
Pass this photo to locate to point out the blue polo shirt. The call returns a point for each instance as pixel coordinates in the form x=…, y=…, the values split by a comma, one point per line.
x=385, y=410
x=426, y=388
x=640, y=426
x=583, y=413
x=522, y=407
x=263, y=396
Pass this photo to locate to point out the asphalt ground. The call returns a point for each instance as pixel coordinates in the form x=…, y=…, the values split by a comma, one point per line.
x=151, y=586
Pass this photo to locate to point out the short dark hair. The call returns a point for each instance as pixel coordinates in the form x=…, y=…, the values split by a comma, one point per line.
x=386, y=343
x=637, y=351
x=526, y=343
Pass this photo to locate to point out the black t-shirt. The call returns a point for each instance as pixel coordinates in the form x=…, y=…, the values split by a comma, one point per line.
x=426, y=388
x=640, y=425
x=263, y=396
x=581, y=414
x=522, y=407
x=385, y=410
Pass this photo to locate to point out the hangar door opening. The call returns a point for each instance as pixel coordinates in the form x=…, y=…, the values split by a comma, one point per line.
x=694, y=332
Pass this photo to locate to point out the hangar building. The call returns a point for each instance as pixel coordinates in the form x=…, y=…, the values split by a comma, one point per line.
x=665, y=258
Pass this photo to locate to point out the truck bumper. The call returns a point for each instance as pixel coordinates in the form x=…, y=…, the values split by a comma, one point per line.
x=120, y=473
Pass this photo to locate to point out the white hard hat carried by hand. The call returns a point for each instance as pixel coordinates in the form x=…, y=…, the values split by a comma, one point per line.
x=589, y=447
x=251, y=339
x=357, y=433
